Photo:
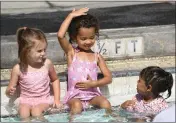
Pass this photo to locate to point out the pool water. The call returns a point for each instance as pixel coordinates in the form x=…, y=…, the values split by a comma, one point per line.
x=90, y=115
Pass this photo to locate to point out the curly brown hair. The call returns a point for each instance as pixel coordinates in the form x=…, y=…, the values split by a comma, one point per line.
x=86, y=21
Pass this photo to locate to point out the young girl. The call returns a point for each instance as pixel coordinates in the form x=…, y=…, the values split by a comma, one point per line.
x=82, y=62
x=33, y=74
x=152, y=81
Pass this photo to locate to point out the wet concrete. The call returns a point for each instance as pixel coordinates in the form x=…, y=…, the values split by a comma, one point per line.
x=112, y=17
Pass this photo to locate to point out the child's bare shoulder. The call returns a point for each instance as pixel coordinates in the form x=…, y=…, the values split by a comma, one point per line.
x=17, y=66
x=16, y=69
x=48, y=63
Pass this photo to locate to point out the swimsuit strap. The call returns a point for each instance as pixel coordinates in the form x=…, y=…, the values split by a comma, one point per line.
x=97, y=55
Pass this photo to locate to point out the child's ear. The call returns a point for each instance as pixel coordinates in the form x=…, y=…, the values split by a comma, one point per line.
x=149, y=88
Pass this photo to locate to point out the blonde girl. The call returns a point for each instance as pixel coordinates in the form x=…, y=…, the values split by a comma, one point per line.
x=33, y=74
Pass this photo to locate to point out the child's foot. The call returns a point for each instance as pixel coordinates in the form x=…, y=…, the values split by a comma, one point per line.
x=70, y=118
x=41, y=118
x=108, y=112
x=26, y=120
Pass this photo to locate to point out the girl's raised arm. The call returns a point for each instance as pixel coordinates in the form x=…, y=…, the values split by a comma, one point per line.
x=66, y=46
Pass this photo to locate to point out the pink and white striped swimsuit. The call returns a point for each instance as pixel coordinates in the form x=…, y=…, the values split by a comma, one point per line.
x=78, y=71
x=153, y=107
x=35, y=88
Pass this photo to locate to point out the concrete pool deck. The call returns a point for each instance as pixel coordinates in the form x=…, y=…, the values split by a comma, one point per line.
x=151, y=41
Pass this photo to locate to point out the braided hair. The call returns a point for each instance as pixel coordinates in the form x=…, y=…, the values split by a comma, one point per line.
x=159, y=79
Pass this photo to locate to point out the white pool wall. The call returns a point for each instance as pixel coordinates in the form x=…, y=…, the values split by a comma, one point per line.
x=120, y=90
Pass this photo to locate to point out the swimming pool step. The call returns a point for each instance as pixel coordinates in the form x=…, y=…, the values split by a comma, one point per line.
x=122, y=66
x=113, y=44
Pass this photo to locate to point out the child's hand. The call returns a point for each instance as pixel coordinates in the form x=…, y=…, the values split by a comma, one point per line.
x=58, y=104
x=83, y=85
x=128, y=103
x=86, y=85
x=11, y=91
x=79, y=12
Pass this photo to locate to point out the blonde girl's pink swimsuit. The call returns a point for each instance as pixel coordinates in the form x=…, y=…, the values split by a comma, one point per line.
x=35, y=88
x=78, y=71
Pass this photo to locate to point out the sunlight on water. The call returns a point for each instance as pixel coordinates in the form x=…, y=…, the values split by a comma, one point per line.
x=97, y=115
x=90, y=115
x=94, y=115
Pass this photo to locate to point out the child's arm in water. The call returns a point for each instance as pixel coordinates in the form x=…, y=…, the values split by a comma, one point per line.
x=107, y=79
x=13, y=81
x=127, y=103
x=66, y=46
x=55, y=84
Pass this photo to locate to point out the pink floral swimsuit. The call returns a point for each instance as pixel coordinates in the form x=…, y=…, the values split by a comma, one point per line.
x=78, y=72
x=153, y=107
x=35, y=88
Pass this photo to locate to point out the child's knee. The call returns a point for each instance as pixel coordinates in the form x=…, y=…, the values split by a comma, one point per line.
x=76, y=107
x=24, y=112
x=24, y=116
x=77, y=104
x=105, y=104
x=36, y=112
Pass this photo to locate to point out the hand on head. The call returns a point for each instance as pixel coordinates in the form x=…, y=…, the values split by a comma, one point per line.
x=79, y=12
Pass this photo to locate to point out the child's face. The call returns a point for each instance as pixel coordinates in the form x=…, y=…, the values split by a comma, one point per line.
x=37, y=54
x=86, y=38
x=141, y=87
